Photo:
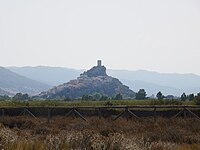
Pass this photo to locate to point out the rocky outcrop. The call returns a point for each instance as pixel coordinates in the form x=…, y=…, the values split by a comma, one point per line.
x=92, y=81
x=95, y=72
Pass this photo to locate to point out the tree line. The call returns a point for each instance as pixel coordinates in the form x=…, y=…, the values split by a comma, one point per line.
x=140, y=95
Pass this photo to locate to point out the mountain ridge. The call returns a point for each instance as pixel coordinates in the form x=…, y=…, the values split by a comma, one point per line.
x=3, y=92
x=181, y=82
x=46, y=74
x=14, y=83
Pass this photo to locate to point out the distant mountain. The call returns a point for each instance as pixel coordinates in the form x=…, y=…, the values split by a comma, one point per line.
x=152, y=88
x=13, y=83
x=49, y=75
x=3, y=92
x=90, y=82
x=194, y=90
x=168, y=83
x=182, y=81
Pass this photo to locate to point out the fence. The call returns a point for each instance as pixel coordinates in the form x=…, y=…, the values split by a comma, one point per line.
x=115, y=112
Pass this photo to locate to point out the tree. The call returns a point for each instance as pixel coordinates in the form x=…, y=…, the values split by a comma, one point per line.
x=197, y=99
x=159, y=95
x=191, y=97
x=198, y=94
x=5, y=97
x=169, y=97
x=96, y=96
x=20, y=96
x=17, y=96
x=25, y=97
x=103, y=97
x=118, y=97
x=87, y=97
x=141, y=94
x=183, y=97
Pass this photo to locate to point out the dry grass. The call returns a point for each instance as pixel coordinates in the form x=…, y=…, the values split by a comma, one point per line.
x=23, y=133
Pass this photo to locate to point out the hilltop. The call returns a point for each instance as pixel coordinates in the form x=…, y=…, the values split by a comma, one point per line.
x=90, y=82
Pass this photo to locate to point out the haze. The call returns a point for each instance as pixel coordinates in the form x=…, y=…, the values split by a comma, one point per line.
x=157, y=35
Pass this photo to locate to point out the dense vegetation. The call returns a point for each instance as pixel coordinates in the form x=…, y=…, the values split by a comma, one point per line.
x=92, y=102
x=17, y=133
x=99, y=100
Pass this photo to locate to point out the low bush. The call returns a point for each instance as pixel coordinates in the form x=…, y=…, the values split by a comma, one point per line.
x=72, y=133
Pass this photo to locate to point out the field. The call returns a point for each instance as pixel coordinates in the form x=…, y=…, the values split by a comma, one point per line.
x=67, y=133
x=18, y=133
x=92, y=103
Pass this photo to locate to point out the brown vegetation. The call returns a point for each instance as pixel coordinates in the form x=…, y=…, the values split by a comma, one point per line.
x=27, y=133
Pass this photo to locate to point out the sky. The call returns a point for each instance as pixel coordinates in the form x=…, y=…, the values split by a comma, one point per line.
x=155, y=35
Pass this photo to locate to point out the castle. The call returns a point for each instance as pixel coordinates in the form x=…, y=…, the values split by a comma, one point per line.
x=98, y=63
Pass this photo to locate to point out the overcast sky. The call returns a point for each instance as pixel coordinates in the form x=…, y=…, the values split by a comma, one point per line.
x=157, y=35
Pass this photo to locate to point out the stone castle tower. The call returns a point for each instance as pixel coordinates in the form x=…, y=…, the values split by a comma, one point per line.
x=98, y=63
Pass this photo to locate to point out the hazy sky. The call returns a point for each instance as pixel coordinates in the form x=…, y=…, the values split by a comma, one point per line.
x=157, y=35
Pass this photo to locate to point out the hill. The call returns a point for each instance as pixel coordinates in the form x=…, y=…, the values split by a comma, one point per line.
x=49, y=75
x=90, y=82
x=168, y=83
x=3, y=92
x=13, y=83
x=181, y=81
x=151, y=88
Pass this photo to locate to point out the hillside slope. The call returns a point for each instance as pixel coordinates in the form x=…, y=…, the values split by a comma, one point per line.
x=176, y=80
x=13, y=82
x=49, y=75
x=90, y=82
x=151, y=88
x=3, y=92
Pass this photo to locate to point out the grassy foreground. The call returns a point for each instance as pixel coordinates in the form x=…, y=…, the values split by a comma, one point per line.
x=23, y=133
x=92, y=103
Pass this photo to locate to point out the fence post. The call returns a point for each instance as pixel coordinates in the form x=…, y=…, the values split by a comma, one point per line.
x=184, y=113
x=3, y=112
x=99, y=113
x=126, y=113
x=154, y=114
x=49, y=115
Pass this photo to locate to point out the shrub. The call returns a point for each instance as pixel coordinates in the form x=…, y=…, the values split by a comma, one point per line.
x=197, y=100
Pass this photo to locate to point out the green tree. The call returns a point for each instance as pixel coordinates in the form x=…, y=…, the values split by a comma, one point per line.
x=183, y=97
x=197, y=99
x=198, y=94
x=20, y=96
x=87, y=97
x=25, y=97
x=103, y=97
x=191, y=97
x=159, y=95
x=141, y=94
x=96, y=96
x=118, y=97
x=84, y=97
x=5, y=97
